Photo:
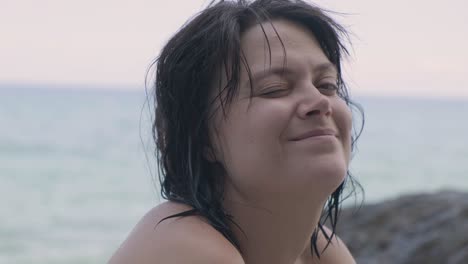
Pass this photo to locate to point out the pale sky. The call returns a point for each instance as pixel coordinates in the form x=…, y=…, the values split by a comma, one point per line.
x=401, y=47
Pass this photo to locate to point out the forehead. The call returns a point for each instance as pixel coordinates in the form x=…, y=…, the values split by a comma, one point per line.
x=268, y=43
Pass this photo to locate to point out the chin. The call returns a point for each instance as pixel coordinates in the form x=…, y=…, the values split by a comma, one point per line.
x=327, y=176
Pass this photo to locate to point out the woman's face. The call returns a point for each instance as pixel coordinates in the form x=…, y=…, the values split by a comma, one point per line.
x=268, y=142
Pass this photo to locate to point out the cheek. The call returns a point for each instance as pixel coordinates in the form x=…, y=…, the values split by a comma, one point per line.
x=250, y=134
x=249, y=140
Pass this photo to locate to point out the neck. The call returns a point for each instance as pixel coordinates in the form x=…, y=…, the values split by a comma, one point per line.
x=277, y=231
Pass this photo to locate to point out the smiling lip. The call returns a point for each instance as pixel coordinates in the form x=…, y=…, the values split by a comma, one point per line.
x=315, y=133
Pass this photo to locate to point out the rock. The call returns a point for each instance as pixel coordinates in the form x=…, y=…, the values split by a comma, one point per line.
x=421, y=228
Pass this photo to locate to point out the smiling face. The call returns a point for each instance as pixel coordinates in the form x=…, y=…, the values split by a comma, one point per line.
x=292, y=136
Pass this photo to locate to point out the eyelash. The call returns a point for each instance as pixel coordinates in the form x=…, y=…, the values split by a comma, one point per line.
x=329, y=87
x=279, y=88
x=274, y=89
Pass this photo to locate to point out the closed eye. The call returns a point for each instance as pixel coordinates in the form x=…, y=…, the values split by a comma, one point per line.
x=274, y=91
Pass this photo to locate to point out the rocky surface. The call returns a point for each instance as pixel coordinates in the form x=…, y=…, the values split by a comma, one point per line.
x=422, y=228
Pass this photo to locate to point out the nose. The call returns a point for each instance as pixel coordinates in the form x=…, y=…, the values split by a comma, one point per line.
x=314, y=103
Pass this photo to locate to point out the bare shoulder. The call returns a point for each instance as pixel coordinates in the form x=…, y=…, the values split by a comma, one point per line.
x=336, y=252
x=175, y=240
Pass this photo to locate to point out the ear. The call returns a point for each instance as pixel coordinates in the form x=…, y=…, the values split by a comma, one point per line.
x=208, y=154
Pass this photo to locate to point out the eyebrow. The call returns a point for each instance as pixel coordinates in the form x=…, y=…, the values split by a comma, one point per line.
x=320, y=69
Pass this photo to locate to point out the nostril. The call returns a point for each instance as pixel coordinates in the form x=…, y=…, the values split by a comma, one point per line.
x=313, y=112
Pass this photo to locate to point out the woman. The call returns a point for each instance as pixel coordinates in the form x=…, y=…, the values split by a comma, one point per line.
x=253, y=128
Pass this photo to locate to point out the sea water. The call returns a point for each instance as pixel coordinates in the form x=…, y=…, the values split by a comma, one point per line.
x=77, y=165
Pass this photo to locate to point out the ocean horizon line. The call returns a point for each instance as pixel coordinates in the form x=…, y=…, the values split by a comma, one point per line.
x=63, y=86
x=137, y=88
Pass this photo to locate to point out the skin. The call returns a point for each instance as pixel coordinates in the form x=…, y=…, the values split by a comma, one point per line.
x=275, y=187
x=174, y=241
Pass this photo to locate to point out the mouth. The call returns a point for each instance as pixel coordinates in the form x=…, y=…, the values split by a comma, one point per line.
x=322, y=132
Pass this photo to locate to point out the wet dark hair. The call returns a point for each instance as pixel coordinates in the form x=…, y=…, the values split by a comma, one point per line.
x=189, y=66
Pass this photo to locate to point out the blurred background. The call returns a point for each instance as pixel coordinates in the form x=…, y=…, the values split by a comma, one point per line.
x=76, y=155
